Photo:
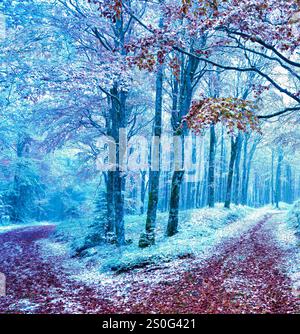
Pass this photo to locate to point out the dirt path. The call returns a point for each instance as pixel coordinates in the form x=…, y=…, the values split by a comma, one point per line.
x=244, y=277
x=36, y=285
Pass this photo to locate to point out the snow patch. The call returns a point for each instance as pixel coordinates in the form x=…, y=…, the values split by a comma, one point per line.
x=51, y=248
x=201, y=231
x=285, y=234
x=8, y=228
x=24, y=305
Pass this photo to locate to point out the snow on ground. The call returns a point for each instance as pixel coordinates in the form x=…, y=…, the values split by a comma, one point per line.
x=11, y=227
x=201, y=230
x=285, y=234
x=221, y=253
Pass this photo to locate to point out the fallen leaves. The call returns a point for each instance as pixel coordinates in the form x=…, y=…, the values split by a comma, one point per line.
x=243, y=276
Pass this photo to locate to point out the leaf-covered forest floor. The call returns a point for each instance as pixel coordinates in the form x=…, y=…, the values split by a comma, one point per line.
x=246, y=273
x=199, y=230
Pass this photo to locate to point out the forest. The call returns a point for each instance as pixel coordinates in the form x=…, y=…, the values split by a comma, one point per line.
x=149, y=148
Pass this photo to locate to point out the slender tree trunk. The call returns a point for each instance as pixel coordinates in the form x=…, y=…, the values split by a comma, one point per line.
x=118, y=114
x=211, y=168
x=143, y=191
x=248, y=169
x=198, y=184
x=289, y=187
x=185, y=98
x=278, y=178
x=267, y=192
x=234, y=145
x=236, y=193
x=119, y=208
x=204, y=184
x=148, y=238
x=118, y=121
x=244, y=176
x=166, y=191
x=272, y=179
x=172, y=227
x=20, y=195
x=221, y=168
x=257, y=190
x=111, y=228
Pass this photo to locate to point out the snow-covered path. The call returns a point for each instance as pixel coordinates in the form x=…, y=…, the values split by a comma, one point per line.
x=244, y=276
x=37, y=285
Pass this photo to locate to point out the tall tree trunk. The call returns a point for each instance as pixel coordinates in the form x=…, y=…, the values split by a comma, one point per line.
x=143, y=191
x=248, y=169
x=118, y=114
x=166, y=191
x=119, y=208
x=256, y=190
x=118, y=121
x=221, y=168
x=185, y=98
x=236, y=193
x=211, y=168
x=172, y=227
x=244, y=176
x=111, y=228
x=278, y=178
x=234, y=145
x=247, y=161
x=289, y=186
x=148, y=238
x=272, y=179
x=204, y=185
x=20, y=195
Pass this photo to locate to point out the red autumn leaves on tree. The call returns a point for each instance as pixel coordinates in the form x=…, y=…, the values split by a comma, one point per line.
x=235, y=114
x=111, y=9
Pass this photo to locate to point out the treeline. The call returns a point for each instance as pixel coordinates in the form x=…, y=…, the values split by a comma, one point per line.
x=259, y=178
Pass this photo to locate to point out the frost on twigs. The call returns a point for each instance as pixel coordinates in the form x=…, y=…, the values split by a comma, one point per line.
x=235, y=114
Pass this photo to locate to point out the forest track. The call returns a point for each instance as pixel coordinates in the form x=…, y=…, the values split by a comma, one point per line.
x=244, y=276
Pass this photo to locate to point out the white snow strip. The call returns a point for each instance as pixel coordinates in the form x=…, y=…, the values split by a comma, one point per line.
x=8, y=228
x=284, y=233
x=241, y=226
x=207, y=229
